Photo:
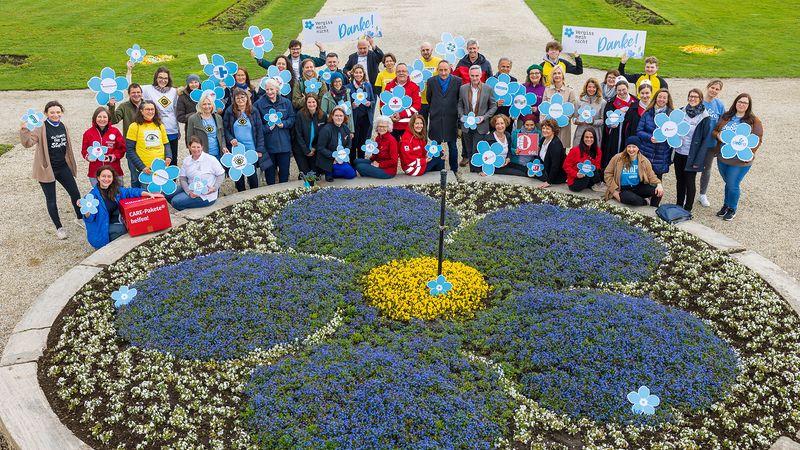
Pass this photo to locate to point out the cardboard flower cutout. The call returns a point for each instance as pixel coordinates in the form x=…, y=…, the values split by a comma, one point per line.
x=451, y=48
x=395, y=101
x=614, y=118
x=162, y=178
x=643, y=402
x=220, y=70
x=325, y=75
x=89, y=204
x=33, y=119
x=434, y=149
x=199, y=186
x=557, y=109
x=107, y=86
x=370, y=148
x=215, y=93
x=96, y=152
x=240, y=162
x=502, y=87
x=281, y=77
x=359, y=97
x=671, y=128
x=470, y=121
x=312, y=86
x=522, y=102
x=488, y=157
x=439, y=286
x=273, y=118
x=419, y=74
x=341, y=155
x=258, y=40
x=738, y=143
x=136, y=53
x=586, y=168
x=535, y=168
x=585, y=114
x=123, y=296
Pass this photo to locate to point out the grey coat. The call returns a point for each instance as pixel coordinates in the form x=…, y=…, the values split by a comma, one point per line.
x=443, y=116
x=485, y=107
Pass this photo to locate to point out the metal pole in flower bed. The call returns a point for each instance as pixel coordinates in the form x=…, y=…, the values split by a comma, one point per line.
x=443, y=185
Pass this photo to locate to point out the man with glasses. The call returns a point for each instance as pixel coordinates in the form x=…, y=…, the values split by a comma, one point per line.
x=400, y=119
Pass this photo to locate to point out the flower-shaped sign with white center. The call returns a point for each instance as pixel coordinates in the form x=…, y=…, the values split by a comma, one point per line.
x=419, y=74
x=439, y=286
x=123, y=296
x=212, y=91
x=502, y=87
x=671, y=128
x=359, y=97
x=370, y=148
x=535, y=168
x=434, y=149
x=33, y=119
x=395, y=101
x=451, y=48
x=738, y=143
x=162, y=177
x=643, y=402
x=614, y=118
x=585, y=114
x=107, y=86
x=220, y=70
x=341, y=155
x=312, y=86
x=89, y=204
x=199, y=186
x=488, y=157
x=345, y=105
x=136, y=53
x=557, y=109
x=470, y=121
x=521, y=102
x=240, y=162
x=325, y=75
x=258, y=40
x=96, y=152
x=586, y=168
x=281, y=77
x=273, y=118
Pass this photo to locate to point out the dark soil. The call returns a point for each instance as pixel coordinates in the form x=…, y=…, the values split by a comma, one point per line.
x=13, y=60
x=639, y=13
x=235, y=16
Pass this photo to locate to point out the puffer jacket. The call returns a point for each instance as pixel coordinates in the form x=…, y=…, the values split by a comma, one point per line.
x=660, y=154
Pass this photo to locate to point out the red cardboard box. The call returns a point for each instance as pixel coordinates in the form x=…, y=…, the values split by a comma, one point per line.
x=145, y=215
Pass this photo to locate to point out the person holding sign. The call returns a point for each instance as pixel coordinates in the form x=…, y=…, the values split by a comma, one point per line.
x=106, y=224
x=368, y=55
x=200, y=178
x=442, y=92
x=306, y=131
x=126, y=112
x=552, y=155
x=690, y=156
x=339, y=94
x=186, y=106
x=242, y=126
x=478, y=99
x=387, y=74
x=630, y=178
x=206, y=124
x=658, y=153
x=715, y=109
x=295, y=57
x=470, y=60
x=592, y=98
x=578, y=180
x=414, y=158
x=613, y=136
x=526, y=139
x=636, y=110
x=650, y=73
x=534, y=83
x=277, y=138
x=300, y=89
x=333, y=137
x=501, y=135
x=363, y=108
x=383, y=164
x=552, y=59
x=162, y=94
x=401, y=118
x=108, y=136
x=558, y=85
x=733, y=169
x=53, y=161
x=146, y=141
x=610, y=86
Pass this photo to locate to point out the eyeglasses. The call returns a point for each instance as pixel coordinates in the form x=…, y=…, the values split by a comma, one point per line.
x=163, y=78
x=742, y=102
x=694, y=96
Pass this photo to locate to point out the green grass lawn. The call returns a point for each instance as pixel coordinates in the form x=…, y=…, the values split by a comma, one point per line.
x=68, y=43
x=5, y=148
x=756, y=38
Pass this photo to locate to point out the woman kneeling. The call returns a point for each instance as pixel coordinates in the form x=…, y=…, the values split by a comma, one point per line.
x=630, y=177
x=200, y=179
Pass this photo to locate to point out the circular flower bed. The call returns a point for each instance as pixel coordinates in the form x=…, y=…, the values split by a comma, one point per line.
x=400, y=289
x=541, y=363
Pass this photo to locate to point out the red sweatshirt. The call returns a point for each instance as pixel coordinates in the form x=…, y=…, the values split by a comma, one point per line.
x=573, y=158
x=387, y=153
x=113, y=139
x=412, y=90
x=413, y=156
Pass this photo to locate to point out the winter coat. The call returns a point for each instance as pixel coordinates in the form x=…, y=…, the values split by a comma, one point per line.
x=299, y=92
x=597, y=123
x=412, y=90
x=370, y=91
x=413, y=156
x=185, y=107
x=97, y=224
x=443, y=113
x=388, y=153
x=328, y=103
x=113, y=139
x=568, y=94
x=302, y=132
x=659, y=154
x=276, y=140
x=574, y=157
x=695, y=160
x=462, y=68
x=329, y=138
x=228, y=120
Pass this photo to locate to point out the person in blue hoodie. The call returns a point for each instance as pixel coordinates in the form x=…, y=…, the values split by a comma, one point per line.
x=277, y=136
x=106, y=224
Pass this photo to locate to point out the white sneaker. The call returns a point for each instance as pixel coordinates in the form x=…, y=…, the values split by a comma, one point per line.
x=61, y=233
x=79, y=222
x=704, y=200
x=599, y=187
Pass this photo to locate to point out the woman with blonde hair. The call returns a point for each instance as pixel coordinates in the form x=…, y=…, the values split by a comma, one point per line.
x=558, y=85
x=592, y=97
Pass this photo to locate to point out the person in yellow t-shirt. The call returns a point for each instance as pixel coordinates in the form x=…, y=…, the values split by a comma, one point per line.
x=145, y=141
x=387, y=74
x=430, y=63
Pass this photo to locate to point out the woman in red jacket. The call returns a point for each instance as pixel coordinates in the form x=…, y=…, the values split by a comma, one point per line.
x=382, y=165
x=107, y=136
x=578, y=180
x=413, y=155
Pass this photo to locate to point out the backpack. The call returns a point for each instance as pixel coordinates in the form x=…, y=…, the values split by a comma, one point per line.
x=673, y=214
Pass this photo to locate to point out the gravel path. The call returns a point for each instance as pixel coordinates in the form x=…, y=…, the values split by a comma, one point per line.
x=33, y=258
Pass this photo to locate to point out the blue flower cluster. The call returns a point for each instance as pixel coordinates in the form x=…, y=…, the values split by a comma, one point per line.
x=581, y=352
x=363, y=226
x=377, y=387
x=223, y=305
x=551, y=246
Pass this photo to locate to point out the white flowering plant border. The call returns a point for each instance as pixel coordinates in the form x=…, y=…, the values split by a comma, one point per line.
x=113, y=395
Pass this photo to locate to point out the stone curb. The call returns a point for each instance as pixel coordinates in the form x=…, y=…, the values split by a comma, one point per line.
x=28, y=421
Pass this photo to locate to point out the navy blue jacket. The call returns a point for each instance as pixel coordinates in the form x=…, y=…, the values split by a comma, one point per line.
x=327, y=143
x=660, y=154
x=228, y=120
x=276, y=140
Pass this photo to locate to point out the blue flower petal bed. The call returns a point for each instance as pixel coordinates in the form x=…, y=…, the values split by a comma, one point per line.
x=604, y=329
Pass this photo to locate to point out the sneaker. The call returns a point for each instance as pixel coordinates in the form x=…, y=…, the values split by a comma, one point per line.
x=729, y=215
x=704, y=200
x=464, y=162
x=61, y=233
x=722, y=211
x=79, y=222
x=599, y=187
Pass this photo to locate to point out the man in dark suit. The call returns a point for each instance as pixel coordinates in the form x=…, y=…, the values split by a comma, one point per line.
x=369, y=56
x=442, y=93
x=477, y=98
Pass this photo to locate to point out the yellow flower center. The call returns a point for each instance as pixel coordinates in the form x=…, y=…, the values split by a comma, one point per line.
x=400, y=289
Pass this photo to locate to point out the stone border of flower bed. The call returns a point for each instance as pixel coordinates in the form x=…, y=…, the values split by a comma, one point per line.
x=26, y=418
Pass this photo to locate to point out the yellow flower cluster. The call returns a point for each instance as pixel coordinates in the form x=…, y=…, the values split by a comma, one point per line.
x=155, y=59
x=701, y=49
x=400, y=289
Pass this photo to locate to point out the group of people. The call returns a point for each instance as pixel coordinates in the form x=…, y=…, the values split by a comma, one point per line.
x=327, y=122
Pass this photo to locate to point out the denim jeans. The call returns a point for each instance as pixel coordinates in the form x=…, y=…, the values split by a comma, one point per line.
x=180, y=200
x=733, y=176
x=280, y=163
x=366, y=169
x=452, y=155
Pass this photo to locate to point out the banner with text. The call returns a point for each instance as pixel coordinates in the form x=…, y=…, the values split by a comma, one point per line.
x=342, y=28
x=603, y=41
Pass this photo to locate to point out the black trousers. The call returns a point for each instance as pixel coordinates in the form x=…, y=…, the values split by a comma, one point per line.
x=586, y=182
x=638, y=195
x=512, y=169
x=64, y=177
x=360, y=134
x=686, y=183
